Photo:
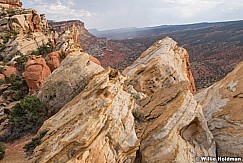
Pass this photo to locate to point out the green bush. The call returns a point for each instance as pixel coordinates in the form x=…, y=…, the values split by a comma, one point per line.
x=21, y=62
x=2, y=47
x=2, y=151
x=27, y=116
x=11, y=12
x=29, y=147
x=9, y=35
x=43, y=50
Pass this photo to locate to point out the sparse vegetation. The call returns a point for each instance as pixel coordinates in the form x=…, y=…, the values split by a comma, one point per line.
x=26, y=117
x=29, y=147
x=2, y=151
x=21, y=62
x=43, y=50
x=10, y=34
x=2, y=47
x=11, y=12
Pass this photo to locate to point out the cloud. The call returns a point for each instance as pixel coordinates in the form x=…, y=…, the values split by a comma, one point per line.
x=107, y=14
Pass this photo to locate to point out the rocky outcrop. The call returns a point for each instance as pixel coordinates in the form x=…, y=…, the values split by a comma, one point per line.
x=10, y=4
x=22, y=31
x=161, y=65
x=222, y=105
x=68, y=80
x=96, y=126
x=54, y=60
x=36, y=72
x=9, y=71
x=171, y=127
x=68, y=41
x=63, y=26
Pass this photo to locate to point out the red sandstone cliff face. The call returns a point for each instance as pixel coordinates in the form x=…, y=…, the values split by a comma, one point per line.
x=10, y=4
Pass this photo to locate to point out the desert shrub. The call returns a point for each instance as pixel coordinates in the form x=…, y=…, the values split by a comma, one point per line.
x=1, y=70
x=2, y=47
x=10, y=79
x=9, y=35
x=2, y=81
x=2, y=151
x=26, y=118
x=43, y=50
x=29, y=147
x=21, y=62
x=11, y=12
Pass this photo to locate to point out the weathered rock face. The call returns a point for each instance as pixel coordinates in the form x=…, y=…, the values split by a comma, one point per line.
x=222, y=105
x=36, y=72
x=9, y=71
x=68, y=41
x=22, y=31
x=162, y=64
x=65, y=25
x=10, y=3
x=96, y=126
x=53, y=60
x=172, y=128
x=68, y=80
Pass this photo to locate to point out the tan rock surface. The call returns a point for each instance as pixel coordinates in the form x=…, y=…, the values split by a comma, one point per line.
x=25, y=29
x=162, y=64
x=96, y=126
x=69, y=40
x=9, y=71
x=172, y=127
x=68, y=80
x=10, y=3
x=222, y=105
x=36, y=72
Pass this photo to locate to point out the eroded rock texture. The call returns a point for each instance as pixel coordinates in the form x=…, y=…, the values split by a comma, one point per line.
x=54, y=60
x=162, y=64
x=172, y=128
x=96, y=126
x=36, y=72
x=22, y=31
x=69, y=40
x=222, y=105
x=68, y=80
x=10, y=4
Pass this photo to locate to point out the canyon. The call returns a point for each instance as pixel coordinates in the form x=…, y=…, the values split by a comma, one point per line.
x=60, y=101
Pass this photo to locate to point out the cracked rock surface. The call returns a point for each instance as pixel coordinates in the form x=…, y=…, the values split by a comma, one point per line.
x=222, y=105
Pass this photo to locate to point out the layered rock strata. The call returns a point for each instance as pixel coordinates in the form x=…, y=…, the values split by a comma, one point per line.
x=96, y=126
x=10, y=4
x=172, y=128
x=222, y=105
x=164, y=63
x=22, y=31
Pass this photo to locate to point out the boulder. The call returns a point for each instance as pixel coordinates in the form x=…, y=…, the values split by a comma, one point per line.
x=53, y=60
x=95, y=126
x=161, y=65
x=68, y=80
x=36, y=72
x=9, y=71
x=222, y=105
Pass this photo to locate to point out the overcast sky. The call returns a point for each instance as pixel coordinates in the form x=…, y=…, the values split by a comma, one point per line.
x=110, y=14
